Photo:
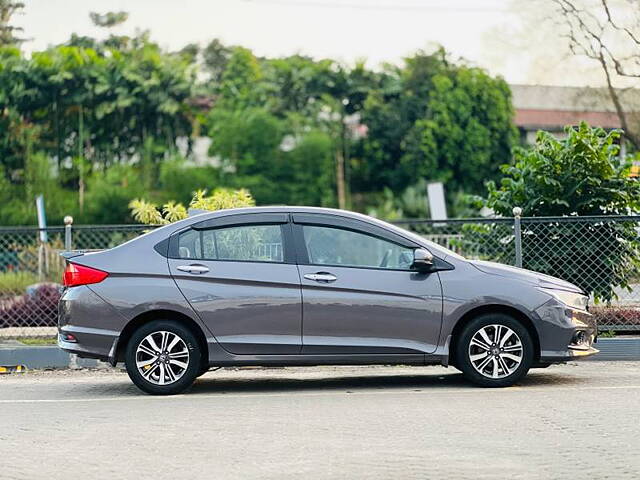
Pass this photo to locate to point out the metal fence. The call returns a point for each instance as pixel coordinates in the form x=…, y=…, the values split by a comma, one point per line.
x=597, y=253
x=31, y=271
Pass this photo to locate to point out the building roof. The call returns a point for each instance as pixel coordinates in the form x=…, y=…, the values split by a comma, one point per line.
x=554, y=119
x=552, y=107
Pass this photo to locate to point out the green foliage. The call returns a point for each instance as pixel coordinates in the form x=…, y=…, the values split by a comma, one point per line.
x=607, y=334
x=113, y=98
x=387, y=207
x=111, y=120
x=437, y=121
x=240, y=82
x=580, y=175
x=109, y=192
x=307, y=172
x=179, y=179
x=109, y=19
x=7, y=31
x=467, y=133
x=247, y=140
x=411, y=203
x=215, y=57
x=221, y=198
x=16, y=282
x=250, y=144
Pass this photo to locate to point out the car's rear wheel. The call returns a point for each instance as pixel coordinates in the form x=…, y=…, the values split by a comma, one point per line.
x=494, y=350
x=163, y=357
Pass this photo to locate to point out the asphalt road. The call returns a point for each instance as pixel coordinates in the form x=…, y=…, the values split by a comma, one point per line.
x=572, y=421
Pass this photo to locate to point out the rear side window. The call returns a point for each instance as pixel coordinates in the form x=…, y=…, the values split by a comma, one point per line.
x=249, y=243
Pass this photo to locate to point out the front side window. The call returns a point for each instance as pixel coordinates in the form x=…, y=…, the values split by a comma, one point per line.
x=252, y=243
x=338, y=247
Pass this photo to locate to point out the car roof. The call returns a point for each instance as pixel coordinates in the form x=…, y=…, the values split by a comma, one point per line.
x=278, y=209
x=167, y=230
x=434, y=247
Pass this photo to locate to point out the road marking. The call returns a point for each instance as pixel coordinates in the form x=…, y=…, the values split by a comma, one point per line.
x=427, y=391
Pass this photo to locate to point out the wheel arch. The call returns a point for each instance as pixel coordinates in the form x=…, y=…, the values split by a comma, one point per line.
x=493, y=308
x=160, y=314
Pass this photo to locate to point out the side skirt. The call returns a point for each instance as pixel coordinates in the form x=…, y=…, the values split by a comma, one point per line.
x=218, y=357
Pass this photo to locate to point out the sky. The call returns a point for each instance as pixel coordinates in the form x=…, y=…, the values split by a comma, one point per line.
x=347, y=30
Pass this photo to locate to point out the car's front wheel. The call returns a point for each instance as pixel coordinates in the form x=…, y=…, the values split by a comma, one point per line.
x=494, y=350
x=163, y=357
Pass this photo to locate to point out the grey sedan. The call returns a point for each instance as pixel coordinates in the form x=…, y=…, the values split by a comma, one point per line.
x=311, y=286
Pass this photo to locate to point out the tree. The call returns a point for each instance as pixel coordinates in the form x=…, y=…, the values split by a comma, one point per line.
x=240, y=85
x=90, y=106
x=306, y=175
x=109, y=19
x=610, y=37
x=467, y=131
x=8, y=32
x=581, y=175
x=292, y=129
x=435, y=120
x=215, y=56
x=247, y=140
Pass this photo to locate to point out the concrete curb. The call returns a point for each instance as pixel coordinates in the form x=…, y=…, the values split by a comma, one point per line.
x=50, y=356
x=617, y=348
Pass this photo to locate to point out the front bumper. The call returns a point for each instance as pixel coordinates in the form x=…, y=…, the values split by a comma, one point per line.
x=568, y=334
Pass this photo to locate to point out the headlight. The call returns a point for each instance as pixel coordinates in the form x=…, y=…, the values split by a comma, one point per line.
x=570, y=299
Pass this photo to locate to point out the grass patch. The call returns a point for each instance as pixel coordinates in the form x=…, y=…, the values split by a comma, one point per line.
x=38, y=340
x=16, y=282
x=607, y=334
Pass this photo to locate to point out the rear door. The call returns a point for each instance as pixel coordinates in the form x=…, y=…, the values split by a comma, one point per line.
x=359, y=292
x=239, y=275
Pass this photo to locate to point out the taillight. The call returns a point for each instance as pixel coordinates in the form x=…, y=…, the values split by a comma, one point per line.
x=75, y=275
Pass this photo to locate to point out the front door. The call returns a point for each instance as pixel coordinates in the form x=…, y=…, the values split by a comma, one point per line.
x=237, y=280
x=360, y=294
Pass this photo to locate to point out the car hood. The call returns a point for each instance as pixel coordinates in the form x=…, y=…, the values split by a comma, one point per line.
x=527, y=276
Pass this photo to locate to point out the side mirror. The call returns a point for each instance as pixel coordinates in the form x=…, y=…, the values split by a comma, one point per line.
x=422, y=260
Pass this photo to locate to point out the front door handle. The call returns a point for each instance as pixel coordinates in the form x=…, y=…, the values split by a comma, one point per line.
x=321, y=277
x=195, y=269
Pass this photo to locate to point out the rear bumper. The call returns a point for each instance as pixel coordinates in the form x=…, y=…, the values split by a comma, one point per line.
x=79, y=311
x=89, y=342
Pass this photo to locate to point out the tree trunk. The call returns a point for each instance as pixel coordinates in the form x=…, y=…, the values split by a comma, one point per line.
x=340, y=184
x=81, y=159
x=628, y=134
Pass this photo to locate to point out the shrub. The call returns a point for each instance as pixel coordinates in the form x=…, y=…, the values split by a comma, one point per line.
x=617, y=318
x=578, y=176
x=39, y=309
x=221, y=198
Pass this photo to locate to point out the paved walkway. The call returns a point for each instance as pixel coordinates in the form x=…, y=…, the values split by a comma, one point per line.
x=571, y=421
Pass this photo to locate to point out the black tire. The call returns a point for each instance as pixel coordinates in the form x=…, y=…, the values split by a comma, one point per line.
x=187, y=375
x=463, y=351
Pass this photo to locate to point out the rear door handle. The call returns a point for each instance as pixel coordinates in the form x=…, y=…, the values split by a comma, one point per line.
x=195, y=269
x=321, y=277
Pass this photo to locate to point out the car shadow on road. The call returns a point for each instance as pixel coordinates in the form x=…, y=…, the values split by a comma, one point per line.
x=353, y=383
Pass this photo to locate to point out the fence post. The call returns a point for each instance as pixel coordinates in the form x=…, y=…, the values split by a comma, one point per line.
x=517, y=231
x=68, y=225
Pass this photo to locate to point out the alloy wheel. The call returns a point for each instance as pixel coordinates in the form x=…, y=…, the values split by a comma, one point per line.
x=162, y=357
x=495, y=351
